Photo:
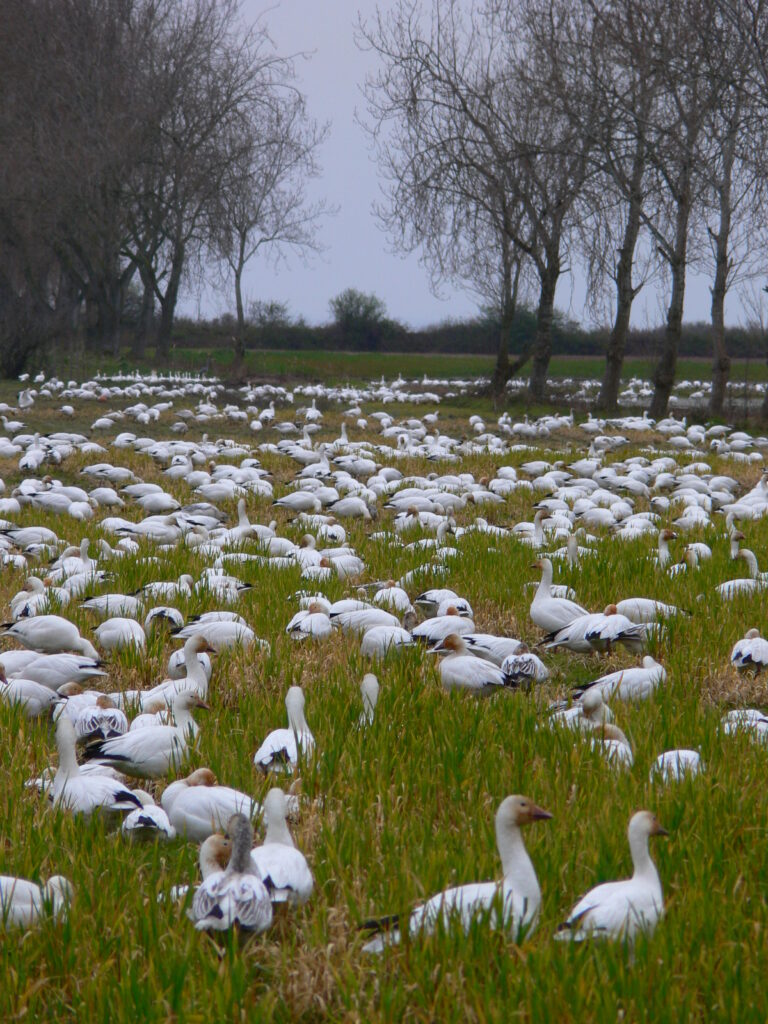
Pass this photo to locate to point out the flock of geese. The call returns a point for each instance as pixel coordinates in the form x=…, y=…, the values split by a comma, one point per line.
x=125, y=753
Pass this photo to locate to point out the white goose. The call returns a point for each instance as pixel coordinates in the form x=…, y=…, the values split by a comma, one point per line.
x=619, y=910
x=283, y=868
x=236, y=895
x=197, y=806
x=152, y=752
x=282, y=748
x=23, y=903
x=50, y=634
x=369, y=691
x=460, y=670
x=551, y=613
x=518, y=892
x=84, y=793
x=628, y=683
x=751, y=652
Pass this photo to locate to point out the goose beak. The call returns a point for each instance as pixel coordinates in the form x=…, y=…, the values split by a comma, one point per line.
x=659, y=830
x=203, y=705
x=539, y=814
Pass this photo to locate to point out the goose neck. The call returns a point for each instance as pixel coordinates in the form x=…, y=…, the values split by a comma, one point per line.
x=518, y=870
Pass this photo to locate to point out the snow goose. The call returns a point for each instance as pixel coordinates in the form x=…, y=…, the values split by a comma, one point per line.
x=523, y=668
x=221, y=635
x=435, y=630
x=117, y=633
x=663, y=557
x=393, y=597
x=283, y=868
x=619, y=910
x=674, y=765
x=491, y=648
x=731, y=588
x=114, y=604
x=23, y=903
x=512, y=904
x=236, y=895
x=369, y=691
x=430, y=600
x=643, y=609
x=591, y=711
x=33, y=698
x=551, y=613
x=282, y=748
x=99, y=721
x=313, y=622
x=612, y=744
x=50, y=634
x=152, y=752
x=83, y=793
x=380, y=640
x=149, y=822
x=628, y=683
x=751, y=652
x=460, y=670
x=197, y=806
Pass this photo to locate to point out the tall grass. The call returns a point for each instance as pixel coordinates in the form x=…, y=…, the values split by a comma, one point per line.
x=397, y=812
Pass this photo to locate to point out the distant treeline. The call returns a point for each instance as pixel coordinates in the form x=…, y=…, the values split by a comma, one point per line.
x=478, y=336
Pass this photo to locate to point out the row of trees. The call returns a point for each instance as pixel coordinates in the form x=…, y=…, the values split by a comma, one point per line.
x=518, y=137
x=141, y=141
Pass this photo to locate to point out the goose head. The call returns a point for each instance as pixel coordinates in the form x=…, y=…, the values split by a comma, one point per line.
x=451, y=644
x=644, y=824
x=515, y=811
x=201, y=777
x=215, y=853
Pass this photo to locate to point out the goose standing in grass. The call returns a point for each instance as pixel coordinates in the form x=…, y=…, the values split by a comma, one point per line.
x=620, y=910
x=282, y=868
x=369, y=691
x=23, y=903
x=236, y=895
x=50, y=634
x=152, y=752
x=511, y=904
x=84, y=793
x=551, y=613
x=198, y=806
x=282, y=748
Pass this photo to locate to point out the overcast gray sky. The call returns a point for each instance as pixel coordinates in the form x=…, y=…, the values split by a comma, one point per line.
x=357, y=252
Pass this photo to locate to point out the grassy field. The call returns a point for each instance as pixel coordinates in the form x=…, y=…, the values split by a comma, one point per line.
x=337, y=367
x=405, y=809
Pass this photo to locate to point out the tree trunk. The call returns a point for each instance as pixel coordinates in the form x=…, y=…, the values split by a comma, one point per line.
x=239, y=338
x=721, y=366
x=664, y=374
x=542, y=345
x=168, y=309
x=502, y=371
x=146, y=320
x=625, y=293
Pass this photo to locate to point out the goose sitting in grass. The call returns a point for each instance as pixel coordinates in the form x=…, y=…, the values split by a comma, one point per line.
x=643, y=609
x=152, y=752
x=118, y=633
x=511, y=904
x=282, y=868
x=197, y=806
x=460, y=670
x=50, y=634
x=433, y=631
x=612, y=744
x=628, y=683
x=52, y=670
x=621, y=910
x=83, y=793
x=675, y=765
x=282, y=748
x=23, y=903
x=746, y=720
x=732, y=588
x=523, y=668
x=750, y=653
x=235, y=896
x=149, y=822
x=380, y=640
x=34, y=698
x=311, y=622
x=591, y=711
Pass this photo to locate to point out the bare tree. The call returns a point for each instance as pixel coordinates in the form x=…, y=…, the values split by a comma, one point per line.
x=474, y=158
x=262, y=205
